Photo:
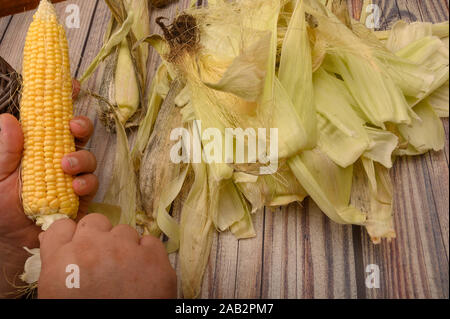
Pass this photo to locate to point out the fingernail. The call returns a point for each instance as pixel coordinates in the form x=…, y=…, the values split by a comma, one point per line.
x=81, y=183
x=80, y=123
x=71, y=161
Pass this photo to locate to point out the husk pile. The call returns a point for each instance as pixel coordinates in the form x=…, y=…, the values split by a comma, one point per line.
x=347, y=101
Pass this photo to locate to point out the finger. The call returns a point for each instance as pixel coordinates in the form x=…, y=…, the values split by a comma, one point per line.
x=93, y=222
x=85, y=185
x=59, y=233
x=76, y=87
x=151, y=242
x=79, y=163
x=86, y=193
x=126, y=232
x=82, y=129
x=11, y=145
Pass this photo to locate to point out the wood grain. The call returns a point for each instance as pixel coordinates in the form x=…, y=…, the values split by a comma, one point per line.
x=415, y=265
x=298, y=252
x=14, y=39
x=4, y=23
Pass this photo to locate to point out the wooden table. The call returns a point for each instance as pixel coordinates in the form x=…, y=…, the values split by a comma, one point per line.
x=298, y=251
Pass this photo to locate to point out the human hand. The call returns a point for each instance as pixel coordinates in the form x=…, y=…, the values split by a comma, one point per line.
x=17, y=230
x=113, y=262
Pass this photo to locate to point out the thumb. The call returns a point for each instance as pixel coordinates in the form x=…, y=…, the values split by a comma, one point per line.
x=11, y=145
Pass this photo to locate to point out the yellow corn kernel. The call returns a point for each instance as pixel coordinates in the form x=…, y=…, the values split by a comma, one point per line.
x=46, y=109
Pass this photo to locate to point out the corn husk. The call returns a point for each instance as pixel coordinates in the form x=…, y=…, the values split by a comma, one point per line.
x=328, y=184
x=217, y=104
x=416, y=43
x=439, y=100
x=126, y=86
x=157, y=170
x=403, y=33
x=158, y=92
x=375, y=92
x=196, y=227
x=124, y=76
x=228, y=206
x=382, y=146
x=116, y=39
x=276, y=190
x=339, y=125
x=122, y=189
x=340, y=10
x=295, y=73
x=379, y=222
x=141, y=30
x=423, y=135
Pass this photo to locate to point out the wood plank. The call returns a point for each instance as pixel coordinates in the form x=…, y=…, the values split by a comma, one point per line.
x=226, y=256
x=4, y=24
x=434, y=11
x=389, y=13
x=102, y=144
x=14, y=39
x=355, y=8
x=8, y=7
x=332, y=255
x=409, y=11
x=415, y=265
x=250, y=262
x=281, y=254
x=306, y=255
x=13, y=42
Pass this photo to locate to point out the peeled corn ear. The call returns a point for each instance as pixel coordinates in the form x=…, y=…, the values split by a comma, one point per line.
x=46, y=109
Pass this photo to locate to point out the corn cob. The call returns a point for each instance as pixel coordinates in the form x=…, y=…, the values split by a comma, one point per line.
x=46, y=109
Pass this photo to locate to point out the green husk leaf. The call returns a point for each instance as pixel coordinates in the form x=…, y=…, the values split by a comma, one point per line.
x=123, y=188
x=166, y=223
x=279, y=189
x=328, y=185
x=158, y=172
x=115, y=39
x=380, y=223
x=227, y=207
x=244, y=229
x=196, y=228
x=423, y=135
x=245, y=77
x=146, y=126
x=275, y=106
x=403, y=34
x=382, y=146
x=127, y=96
x=439, y=100
x=295, y=72
x=339, y=126
x=141, y=29
x=415, y=43
x=374, y=90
